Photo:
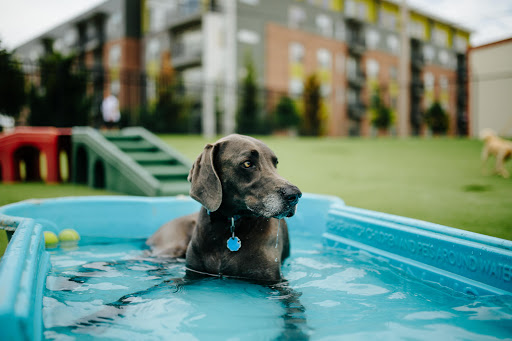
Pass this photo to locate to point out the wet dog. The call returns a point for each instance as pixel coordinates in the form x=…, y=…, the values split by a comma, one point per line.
x=240, y=231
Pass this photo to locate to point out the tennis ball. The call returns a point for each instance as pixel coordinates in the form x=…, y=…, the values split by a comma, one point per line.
x=50, y=239
x=69, y=235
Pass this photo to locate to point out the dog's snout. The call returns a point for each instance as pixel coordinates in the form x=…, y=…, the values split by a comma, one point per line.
x=292, y=195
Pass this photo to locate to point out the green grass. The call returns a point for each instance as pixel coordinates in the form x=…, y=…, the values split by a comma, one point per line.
x=437, y=180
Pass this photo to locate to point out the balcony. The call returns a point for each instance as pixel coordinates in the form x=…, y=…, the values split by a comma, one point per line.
x=417, y=87
x=417, y=61
x=356, y=111
x=356, y=79
x=356, y=47
x=186, y=55
x=189, y=13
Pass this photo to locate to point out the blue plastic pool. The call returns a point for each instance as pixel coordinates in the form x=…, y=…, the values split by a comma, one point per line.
x=353, y=274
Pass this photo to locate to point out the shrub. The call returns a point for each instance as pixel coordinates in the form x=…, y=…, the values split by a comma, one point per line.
x=437, y=119
x=382, y=116
x=286, y=115
x=311, y=98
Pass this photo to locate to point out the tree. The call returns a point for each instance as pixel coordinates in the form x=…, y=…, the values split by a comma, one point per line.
x=286, y=115
x=382, y=116
x=437, y=119
x=12, y=84
x=311, y=98
x=248, y=113
x=61, y=99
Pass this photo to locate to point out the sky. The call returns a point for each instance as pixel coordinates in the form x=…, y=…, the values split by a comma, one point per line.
x=22, y=20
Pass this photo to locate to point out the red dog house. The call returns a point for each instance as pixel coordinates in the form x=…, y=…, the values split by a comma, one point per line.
x=26, y=144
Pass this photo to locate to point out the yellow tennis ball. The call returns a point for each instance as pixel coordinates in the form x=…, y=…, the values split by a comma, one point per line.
x=69, y=235
x=50, y=239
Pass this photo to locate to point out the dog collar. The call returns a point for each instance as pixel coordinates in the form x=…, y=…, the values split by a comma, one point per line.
x=233, y=243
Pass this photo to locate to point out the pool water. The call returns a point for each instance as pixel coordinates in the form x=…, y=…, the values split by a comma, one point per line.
x=109, y=289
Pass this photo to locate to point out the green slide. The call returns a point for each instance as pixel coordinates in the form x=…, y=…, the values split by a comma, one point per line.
x=131, y=160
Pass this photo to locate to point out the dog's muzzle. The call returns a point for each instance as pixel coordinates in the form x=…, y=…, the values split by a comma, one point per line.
x=291, y=196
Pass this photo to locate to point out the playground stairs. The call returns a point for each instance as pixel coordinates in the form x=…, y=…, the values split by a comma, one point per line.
x=131, y=161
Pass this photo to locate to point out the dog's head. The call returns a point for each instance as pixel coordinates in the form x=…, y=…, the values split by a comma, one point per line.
x=237, y=175
x=487, y=134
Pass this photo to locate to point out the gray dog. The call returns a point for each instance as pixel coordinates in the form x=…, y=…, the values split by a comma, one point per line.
x=240, y=231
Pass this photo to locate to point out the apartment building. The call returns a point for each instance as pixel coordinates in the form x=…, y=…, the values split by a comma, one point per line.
x=352, y=45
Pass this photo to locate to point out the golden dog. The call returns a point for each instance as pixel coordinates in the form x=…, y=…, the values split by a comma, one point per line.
x=499, y=148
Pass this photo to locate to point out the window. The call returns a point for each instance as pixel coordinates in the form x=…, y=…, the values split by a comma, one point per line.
x=393, y=73
x=372, y=68
x=444, y=58
x=356, y=9
x=372, y=38
x=114, y=55
x=296, y=60
x=352, y=96
x=71, y=37
x=387, y=19
x=193, y=77
x=323, y=57
x=350, y=8
x=295, y=87
x=248, y=37
x=429, y=80
x=339, y=30
x=352, y=67
x=296, y=53
x=251, y=2
x=114, y=25
x=90, y=31
x=416, y=29
x=393, y=44
x=460, y=44
x=324, y=25
x=157, y=18
x=296, y=17
x=443, y=82
x=324, y=60
x=429, y=53
x=439, y=37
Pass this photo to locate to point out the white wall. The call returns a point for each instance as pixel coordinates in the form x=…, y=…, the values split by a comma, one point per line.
x=490, y=88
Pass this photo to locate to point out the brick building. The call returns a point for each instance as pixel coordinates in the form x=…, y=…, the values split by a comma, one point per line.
x=352, y=45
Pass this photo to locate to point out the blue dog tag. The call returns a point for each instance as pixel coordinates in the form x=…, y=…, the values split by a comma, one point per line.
x=234, y=243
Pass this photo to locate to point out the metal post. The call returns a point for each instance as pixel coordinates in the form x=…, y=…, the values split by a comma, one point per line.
x=230, y=85
x=404, y=74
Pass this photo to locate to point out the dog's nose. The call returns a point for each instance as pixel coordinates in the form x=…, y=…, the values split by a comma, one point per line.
x=292, y=195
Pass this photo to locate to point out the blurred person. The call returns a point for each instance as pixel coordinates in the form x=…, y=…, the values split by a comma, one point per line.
x=110, y=111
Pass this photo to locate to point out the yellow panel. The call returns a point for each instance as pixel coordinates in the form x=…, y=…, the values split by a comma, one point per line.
x=114, y=73
x=324, y=76
x=423, y=21
x=337, y=5
x=296, y=71
x=144, y=16
x=445, y=28
x=373, y=14
x=152, y=68
x=390, y=7
x=394, y=89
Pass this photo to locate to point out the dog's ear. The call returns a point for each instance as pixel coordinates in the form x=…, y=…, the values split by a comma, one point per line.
x=205, y=183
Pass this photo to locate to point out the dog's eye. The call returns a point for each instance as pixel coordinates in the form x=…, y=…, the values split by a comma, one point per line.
x=247, y=164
